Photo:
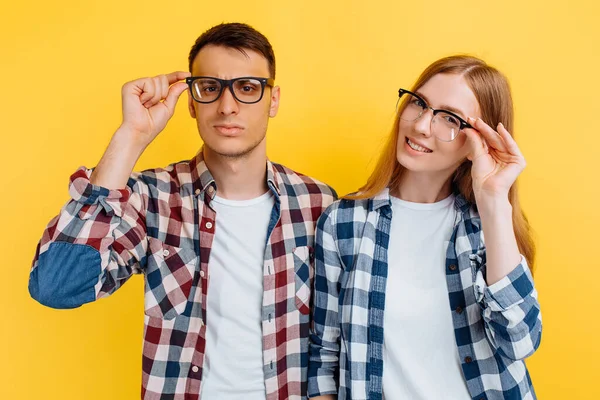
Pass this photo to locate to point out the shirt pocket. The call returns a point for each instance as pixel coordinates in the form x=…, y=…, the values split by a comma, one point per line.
x=170, y=274
x=303, y=275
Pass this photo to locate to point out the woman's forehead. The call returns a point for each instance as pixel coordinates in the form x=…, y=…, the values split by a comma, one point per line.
x=450, y=92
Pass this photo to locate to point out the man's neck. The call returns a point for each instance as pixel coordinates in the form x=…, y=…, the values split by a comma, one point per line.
x=239, y=178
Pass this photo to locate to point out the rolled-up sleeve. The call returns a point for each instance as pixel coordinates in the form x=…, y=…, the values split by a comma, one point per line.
x=511, y=312
x=96, y=242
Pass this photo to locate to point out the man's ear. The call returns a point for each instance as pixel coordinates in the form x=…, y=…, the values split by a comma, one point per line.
x=275, y=95
x=191, y=107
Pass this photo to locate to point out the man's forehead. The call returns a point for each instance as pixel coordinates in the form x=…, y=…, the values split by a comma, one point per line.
x=229, y=62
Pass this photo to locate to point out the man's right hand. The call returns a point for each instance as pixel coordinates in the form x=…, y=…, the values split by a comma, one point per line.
x=149, y=103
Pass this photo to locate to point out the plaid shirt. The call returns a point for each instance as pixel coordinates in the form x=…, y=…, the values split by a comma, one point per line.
x=495, y=326
x=162, y=225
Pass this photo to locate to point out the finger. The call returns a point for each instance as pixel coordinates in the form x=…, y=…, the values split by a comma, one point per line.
x=177, y=76
x=157, y=93
x=486, y=146
x=506, y=158
x=146, y=85
x=490, y=135
x=510, y=142
x=164, y=86
x=512, y=171
x=476, y=144
x=175, y=92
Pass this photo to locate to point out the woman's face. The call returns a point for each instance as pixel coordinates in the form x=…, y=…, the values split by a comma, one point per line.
x=418, y=149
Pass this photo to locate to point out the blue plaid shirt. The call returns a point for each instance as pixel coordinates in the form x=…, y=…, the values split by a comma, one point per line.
x=495, y=326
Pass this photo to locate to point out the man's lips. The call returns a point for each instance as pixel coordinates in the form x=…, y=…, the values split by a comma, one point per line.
x=229, y=128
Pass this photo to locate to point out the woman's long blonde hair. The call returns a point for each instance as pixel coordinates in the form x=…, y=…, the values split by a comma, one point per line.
x=492, y=92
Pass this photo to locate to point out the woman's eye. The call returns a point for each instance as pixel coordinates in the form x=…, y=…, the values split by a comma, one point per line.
x=451, y=120
x=418, y=103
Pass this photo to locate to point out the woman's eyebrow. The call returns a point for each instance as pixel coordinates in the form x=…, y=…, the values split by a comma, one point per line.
x=443, y=106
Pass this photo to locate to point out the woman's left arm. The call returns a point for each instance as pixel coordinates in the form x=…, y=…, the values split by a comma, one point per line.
x=511, y=310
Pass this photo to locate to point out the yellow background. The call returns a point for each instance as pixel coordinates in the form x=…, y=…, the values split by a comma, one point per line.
x=339, y=64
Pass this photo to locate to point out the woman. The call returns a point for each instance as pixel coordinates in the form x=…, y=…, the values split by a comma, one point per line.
x=410, y=302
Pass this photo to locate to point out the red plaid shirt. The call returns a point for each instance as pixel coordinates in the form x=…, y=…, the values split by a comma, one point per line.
x=162, y=225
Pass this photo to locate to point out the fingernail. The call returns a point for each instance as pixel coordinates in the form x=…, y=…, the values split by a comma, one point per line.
x=501, y=124
x=471, y=120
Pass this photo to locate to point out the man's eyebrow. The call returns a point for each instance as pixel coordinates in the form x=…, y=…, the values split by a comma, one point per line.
x=444, y=106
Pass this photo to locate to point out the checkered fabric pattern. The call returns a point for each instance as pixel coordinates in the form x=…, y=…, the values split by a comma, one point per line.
x=162, y=226
x=496, y=327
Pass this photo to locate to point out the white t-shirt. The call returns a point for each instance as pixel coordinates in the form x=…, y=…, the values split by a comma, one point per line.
x=233, y=364
x=420, y=357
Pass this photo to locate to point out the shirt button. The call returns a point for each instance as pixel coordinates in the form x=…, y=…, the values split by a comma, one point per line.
x=459, y=309
x=211, y=189
x=202, y=274
x=195, y=368
x=197, y=192
x=452, y=267
x=208, y=225
x=166, y=253
x=468, y=360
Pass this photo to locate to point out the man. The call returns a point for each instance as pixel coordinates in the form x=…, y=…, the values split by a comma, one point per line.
x=224, y=240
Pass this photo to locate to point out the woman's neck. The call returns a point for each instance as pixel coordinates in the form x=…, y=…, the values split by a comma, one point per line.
x=422, y=187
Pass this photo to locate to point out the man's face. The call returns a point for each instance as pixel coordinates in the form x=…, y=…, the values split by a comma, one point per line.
x=228, y=127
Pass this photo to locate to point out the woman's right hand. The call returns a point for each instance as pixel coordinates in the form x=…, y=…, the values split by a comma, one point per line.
x=149, y=103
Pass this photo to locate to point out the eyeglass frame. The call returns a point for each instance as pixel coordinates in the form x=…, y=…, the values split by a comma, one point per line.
x=229, y=83
x=463, y=123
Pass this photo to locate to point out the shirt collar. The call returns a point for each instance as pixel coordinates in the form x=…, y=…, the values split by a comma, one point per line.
x=203, y=181
x=383, y=199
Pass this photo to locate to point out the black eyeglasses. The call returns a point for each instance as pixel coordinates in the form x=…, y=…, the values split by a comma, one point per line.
x=445, y=125
x=247, y=89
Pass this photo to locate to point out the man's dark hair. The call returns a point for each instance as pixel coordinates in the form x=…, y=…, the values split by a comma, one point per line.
x=237, y=36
